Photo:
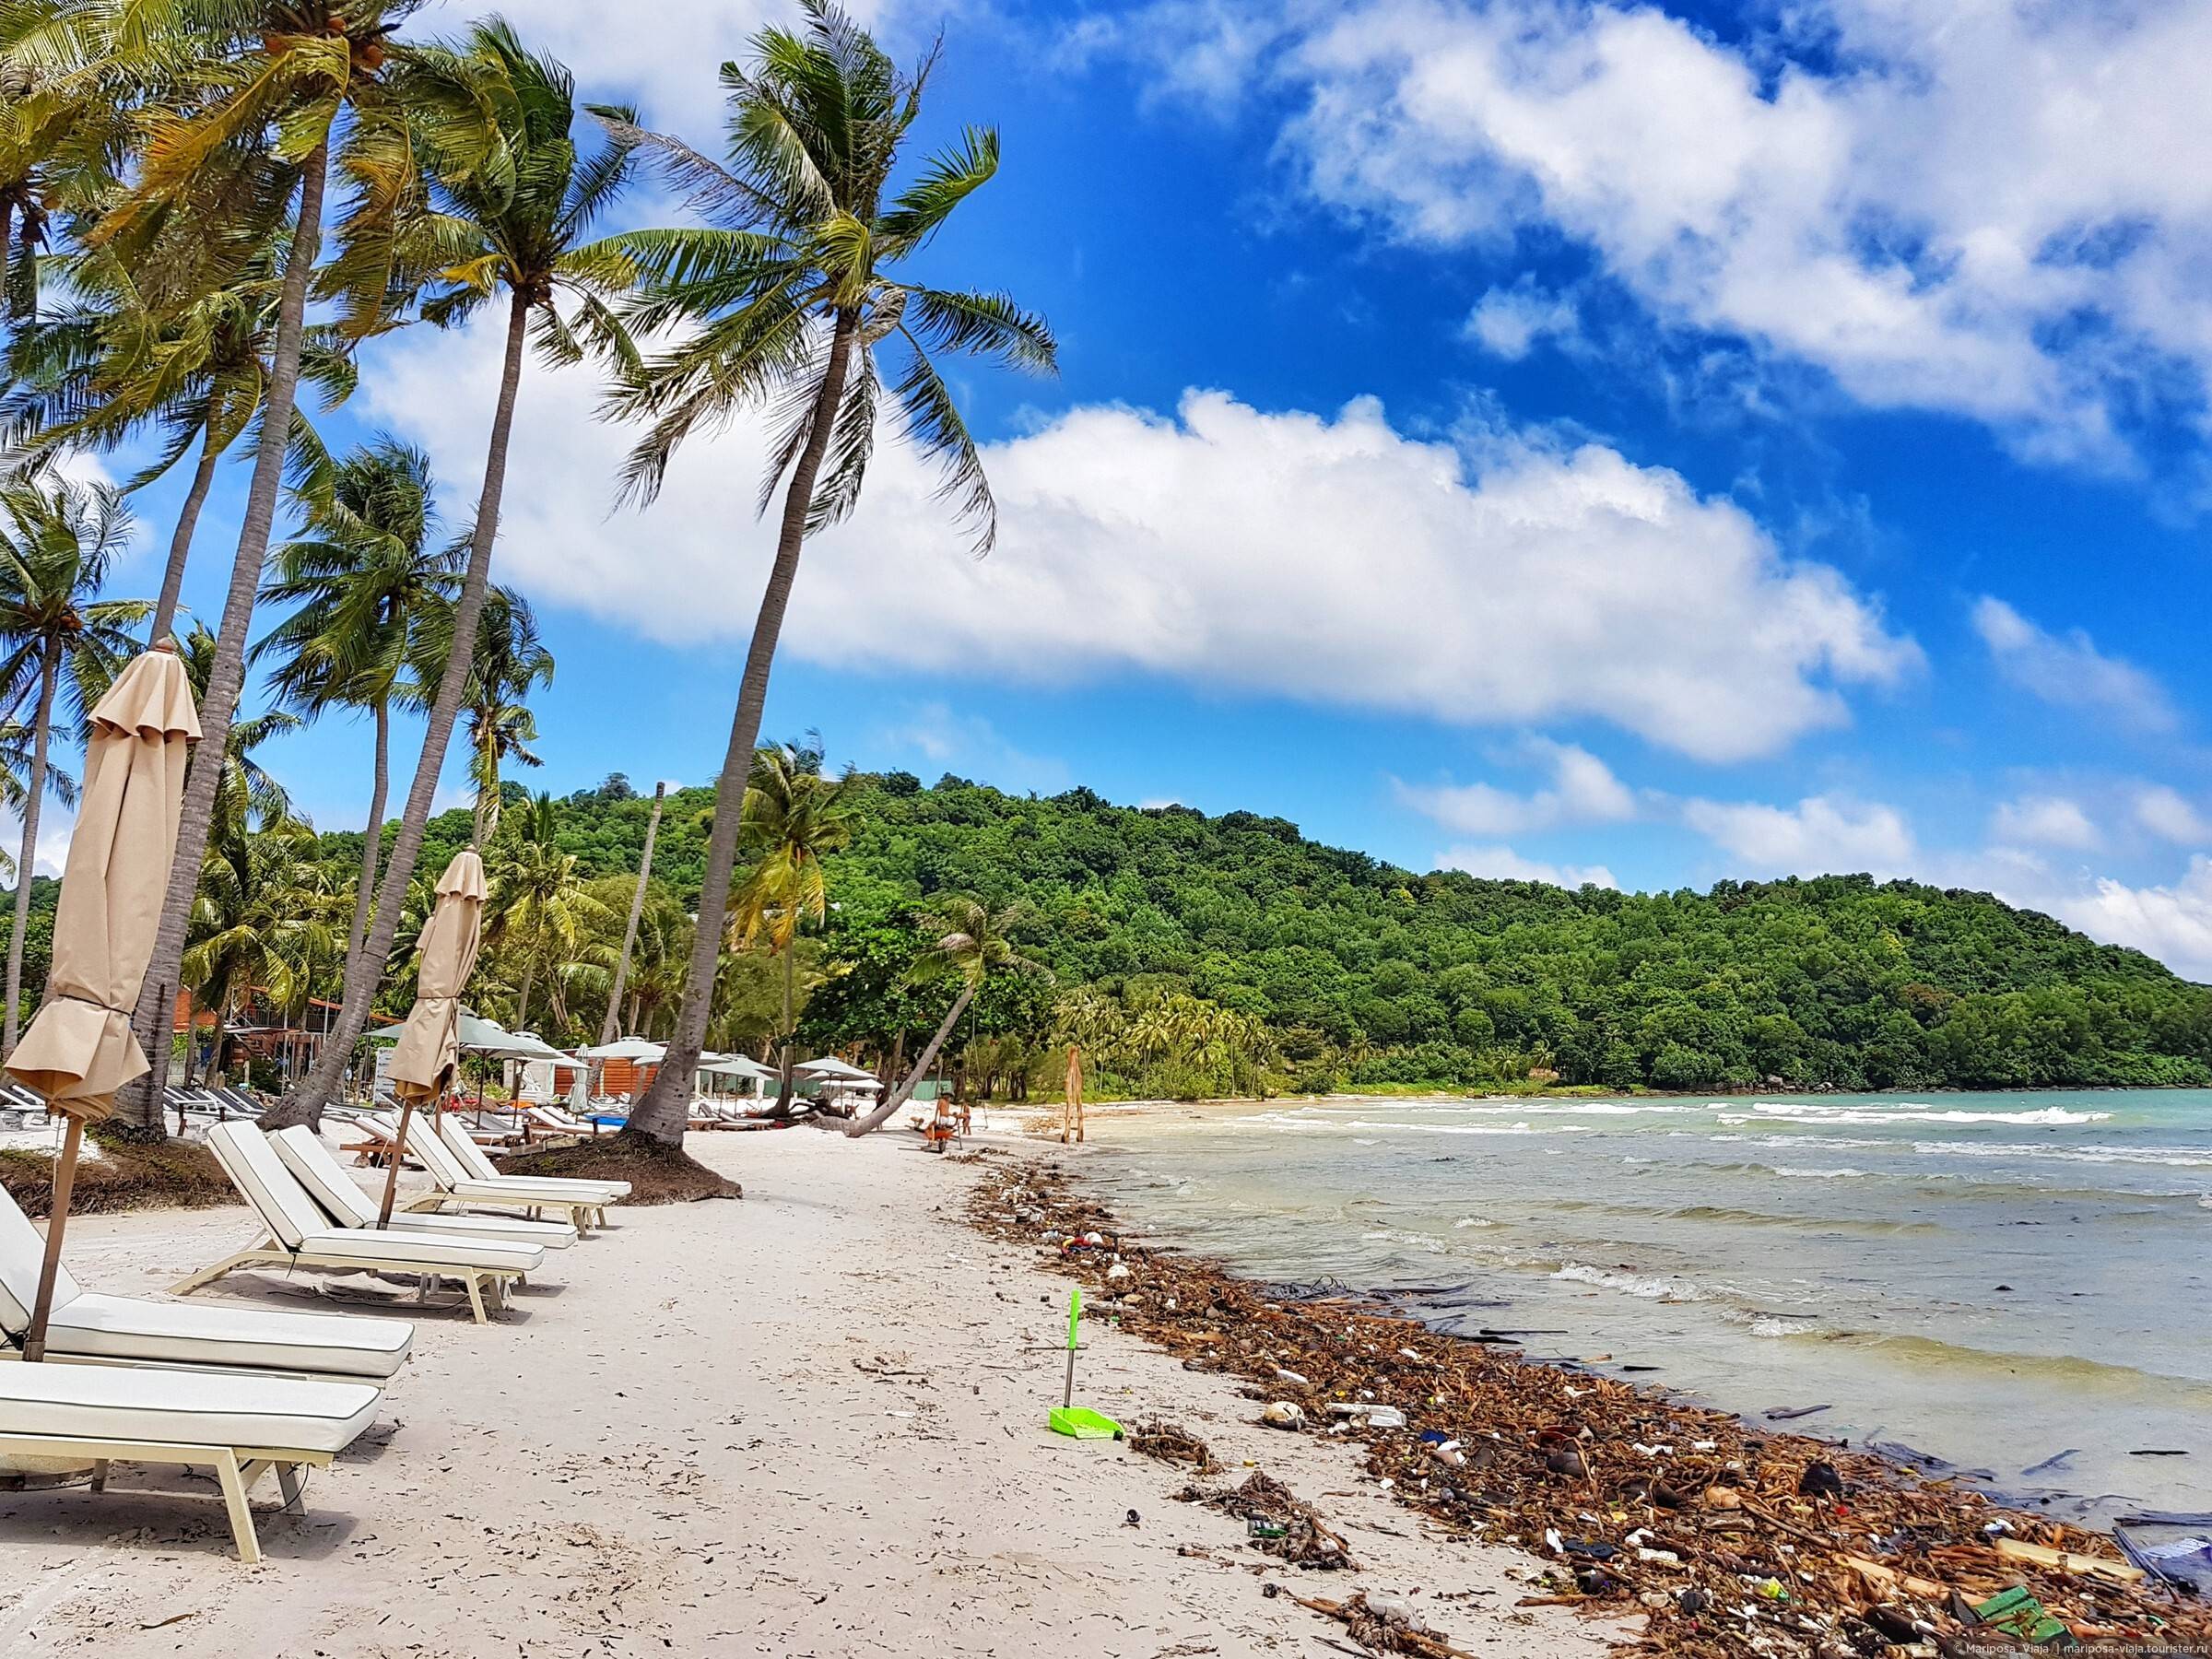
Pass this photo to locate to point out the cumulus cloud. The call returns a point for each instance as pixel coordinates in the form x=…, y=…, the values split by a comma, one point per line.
x=2043, y=821
x=2067, y=669
x=2167, y=815
x=2172, y=923
x=1502, y=863
x=1970, y=210
x=1584, y=791
x=1509, y=322
x=1820, y=835
x=1326, y=558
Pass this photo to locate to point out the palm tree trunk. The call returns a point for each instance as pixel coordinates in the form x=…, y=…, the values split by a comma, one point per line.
x=305, y=1104
x=139, y=1105
x=661, y=1116
x=904, y=1092
x=637, y=913
x=188, y=523
x=48, y=671
x=521, y=1000
x=373, y=843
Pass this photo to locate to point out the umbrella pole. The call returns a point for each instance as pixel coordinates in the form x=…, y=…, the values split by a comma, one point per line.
x=399, y=1154
x=65, y=1177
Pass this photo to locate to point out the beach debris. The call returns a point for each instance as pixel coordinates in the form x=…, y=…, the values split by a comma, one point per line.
x=1785, y=1414
x=2018, y=1613
x=1864, y=1549
x=1283, y=1413
x=2177, y=1548
x=1277, y=1522
x=1382, y=1624
x=1170, y=1443
x=2052, y=1464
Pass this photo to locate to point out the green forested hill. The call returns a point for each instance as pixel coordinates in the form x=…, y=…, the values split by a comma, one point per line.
x=1362, y=973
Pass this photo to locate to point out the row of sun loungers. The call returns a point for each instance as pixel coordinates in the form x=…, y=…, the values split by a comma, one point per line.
x=246, y=1392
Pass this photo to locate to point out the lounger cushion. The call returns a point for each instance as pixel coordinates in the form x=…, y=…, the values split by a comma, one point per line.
x=472, y=1159
x=412, y=1252
x=194, y=1408
x=22, y=1249
x=307, y=1157
x=93, y=1327
x=262, y=1180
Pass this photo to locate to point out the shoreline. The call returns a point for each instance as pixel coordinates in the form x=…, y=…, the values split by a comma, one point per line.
x=809, y=1423
x=1195, y=1307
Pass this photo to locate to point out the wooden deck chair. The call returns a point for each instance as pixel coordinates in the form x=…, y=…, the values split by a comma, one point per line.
x=299, y=1235
x=242, y=1427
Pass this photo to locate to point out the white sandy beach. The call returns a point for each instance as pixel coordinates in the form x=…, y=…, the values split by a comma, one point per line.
x=672, y=1446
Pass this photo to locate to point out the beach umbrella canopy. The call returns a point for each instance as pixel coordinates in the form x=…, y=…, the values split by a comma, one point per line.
x=429, y=1050
x=79, y=1050
x=737, y=1065
x=831, y=1066
x=626, y=1048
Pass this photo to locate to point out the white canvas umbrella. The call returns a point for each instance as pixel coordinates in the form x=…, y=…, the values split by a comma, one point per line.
x=626, y=1047
x=831, y=1066
x=429, y=1050
x=79, y=1050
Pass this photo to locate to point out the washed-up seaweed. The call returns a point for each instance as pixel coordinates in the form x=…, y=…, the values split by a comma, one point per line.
x=1280, y=1524
x=1170, y=1443
x=1733, y=1539
x=1381, y=1627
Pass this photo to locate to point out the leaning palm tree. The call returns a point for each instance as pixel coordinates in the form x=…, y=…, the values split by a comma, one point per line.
x=257, y=95
x=974, y=942
x=118, y=365
x=511, y=199
x=366, y=582
x=58, y=641
x=61, y=107
x=509, y=661
x=793, y=817
x=793, y=291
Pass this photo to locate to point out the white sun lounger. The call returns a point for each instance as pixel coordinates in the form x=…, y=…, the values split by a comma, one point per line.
x=478, y=1163
x=457, y=1185
x=242, y=1427
x=328, y=1184
x=88, y=1328
x=299, y=1235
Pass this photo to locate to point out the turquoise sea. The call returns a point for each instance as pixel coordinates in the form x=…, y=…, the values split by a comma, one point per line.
x=2018, y=1285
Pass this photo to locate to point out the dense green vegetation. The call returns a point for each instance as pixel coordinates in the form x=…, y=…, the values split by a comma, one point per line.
x=1208, y=954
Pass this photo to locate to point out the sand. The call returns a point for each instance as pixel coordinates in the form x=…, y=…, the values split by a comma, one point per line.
x=811, y=1423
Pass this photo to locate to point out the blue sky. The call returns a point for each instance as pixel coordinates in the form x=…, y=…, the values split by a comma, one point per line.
x=1575, y=441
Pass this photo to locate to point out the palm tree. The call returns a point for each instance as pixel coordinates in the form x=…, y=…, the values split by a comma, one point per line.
x=119, y=365
x=262, y=918
x=791, y=289
x=511, y=200
x=56, y=542
x=366, y=583
x=793, y=816
x=60, y=110
x=973, y=942
x=537, y=909
x=257, y=91
x=509, y=662
x=637, y=916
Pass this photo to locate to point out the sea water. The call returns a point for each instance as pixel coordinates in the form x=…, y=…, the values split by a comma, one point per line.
x=2014, y=1286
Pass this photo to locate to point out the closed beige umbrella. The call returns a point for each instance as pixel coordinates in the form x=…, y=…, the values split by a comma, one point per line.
x=430, y=1044
x=79, y=1050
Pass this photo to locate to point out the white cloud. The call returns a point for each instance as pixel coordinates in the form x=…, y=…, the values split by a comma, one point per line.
x=663, y=57
x=1327, y=559
x=2164, y=812
x=934, y=734
x=1967, y=208
x=1820, y=835
x=1508, y=323
x=2043, y=821
x=2170, y=922
x=1584, y=791
x=1502, y=863
x=2069, y=670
